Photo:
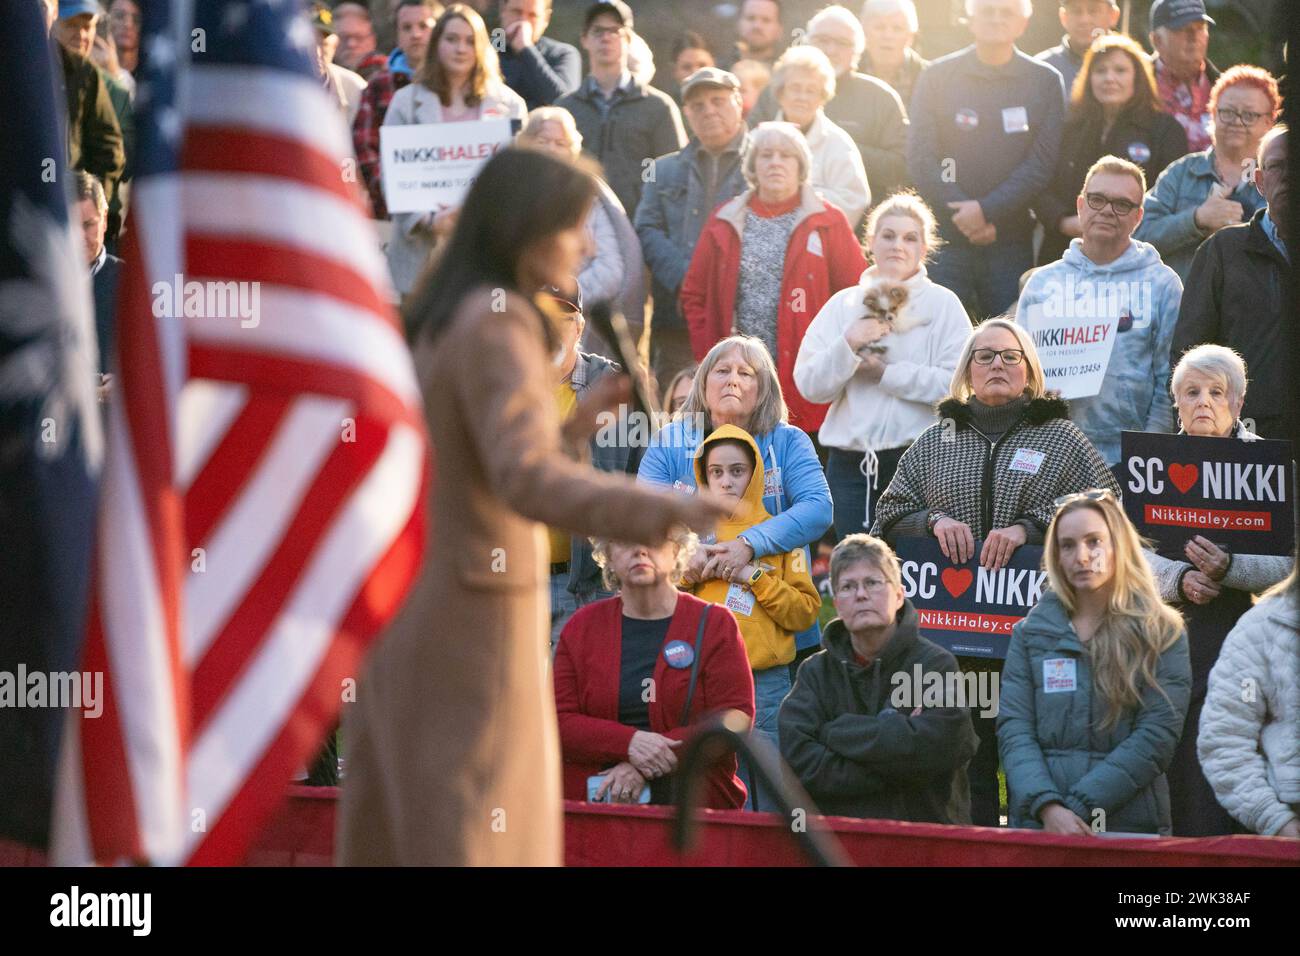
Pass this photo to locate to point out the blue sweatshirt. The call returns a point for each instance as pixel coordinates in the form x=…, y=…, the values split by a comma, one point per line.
x=795, y=488
x=991, y=133
x=1135, y=390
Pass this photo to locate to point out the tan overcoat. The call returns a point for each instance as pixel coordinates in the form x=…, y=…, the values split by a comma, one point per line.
x=451, y=749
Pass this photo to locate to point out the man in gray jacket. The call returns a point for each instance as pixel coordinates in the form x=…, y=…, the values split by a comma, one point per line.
x=624, y=124
x=686, y=187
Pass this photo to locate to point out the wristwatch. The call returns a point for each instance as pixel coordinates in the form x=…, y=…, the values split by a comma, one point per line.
x=753, y=578
x=932, y=519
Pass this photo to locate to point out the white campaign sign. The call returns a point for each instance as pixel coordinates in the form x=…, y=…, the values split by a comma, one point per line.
x=1074, y=349
x=428, y=165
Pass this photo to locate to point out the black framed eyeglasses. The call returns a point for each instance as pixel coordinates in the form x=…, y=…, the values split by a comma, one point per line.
x=1092, y=494
x=1238, y=117
x=1099, y=201
x=1009, y=356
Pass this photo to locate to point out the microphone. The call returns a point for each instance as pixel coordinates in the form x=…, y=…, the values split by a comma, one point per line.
x=611, y=326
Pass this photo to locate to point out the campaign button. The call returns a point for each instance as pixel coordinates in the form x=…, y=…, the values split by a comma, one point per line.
x=967, y=119
x=679, y=654
x=1139, y=152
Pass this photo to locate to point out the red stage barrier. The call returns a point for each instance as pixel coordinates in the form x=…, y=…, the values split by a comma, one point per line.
x=599, y=835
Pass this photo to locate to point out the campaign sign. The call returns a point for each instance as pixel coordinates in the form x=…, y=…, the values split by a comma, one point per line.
x=429, y=165
x=1238, y=494
x=965, y=608
x=1074, y=344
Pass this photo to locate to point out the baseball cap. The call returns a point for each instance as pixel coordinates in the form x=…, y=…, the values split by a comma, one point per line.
x=74, y=8
x=568, y=302
x=709, y=76
x=616, y=8
x=1176, y=14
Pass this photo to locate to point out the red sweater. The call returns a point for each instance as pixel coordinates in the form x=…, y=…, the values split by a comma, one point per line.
x=587, y=664
x=822, y=258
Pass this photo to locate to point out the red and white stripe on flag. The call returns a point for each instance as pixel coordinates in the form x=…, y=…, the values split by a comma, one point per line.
x=262, y=506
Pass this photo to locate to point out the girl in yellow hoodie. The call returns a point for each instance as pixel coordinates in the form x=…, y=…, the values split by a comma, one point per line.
x=772, y=599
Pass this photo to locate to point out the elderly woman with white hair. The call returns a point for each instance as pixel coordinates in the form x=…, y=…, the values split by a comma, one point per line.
x=890, y=27
x=984, y=480
x=620, y=744
x=767, y=260
x=1213, y=585
x=803, y=82
x=613, y=272
x=872, y=113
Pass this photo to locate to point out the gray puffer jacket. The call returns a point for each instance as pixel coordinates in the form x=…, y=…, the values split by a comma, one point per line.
x=1053, y=748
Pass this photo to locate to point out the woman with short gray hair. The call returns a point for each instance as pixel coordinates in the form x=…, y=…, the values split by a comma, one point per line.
x=1214, y=585
x=803, y=82
x=890, y=27
x=767, y=260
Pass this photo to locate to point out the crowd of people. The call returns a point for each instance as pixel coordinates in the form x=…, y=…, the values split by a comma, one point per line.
x=830, y=254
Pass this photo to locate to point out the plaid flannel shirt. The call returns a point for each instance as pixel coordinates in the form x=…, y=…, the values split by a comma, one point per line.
x=365, y=133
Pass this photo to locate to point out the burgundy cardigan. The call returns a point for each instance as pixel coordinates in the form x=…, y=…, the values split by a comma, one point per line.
x=587, y=664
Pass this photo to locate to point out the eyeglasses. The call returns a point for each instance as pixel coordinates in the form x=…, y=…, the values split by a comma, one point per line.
x=1009, y=356
x=868, y=586
x=1239, y=117
x=1092, y=494
x=1099, y=201
x=600, y=33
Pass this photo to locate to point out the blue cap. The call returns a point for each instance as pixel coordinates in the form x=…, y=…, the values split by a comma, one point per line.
x=72, y=8
x=1176, y=14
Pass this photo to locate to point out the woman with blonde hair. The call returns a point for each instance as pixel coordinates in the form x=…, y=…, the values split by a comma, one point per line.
x=459, y=82
x=620, y=744
x=881, y=377
x=613, y=271
x=1096, y=683
x=983, y=481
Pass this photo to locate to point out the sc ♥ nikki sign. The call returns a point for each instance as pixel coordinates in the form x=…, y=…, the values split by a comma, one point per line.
x=968, y=609
x=1238, y=494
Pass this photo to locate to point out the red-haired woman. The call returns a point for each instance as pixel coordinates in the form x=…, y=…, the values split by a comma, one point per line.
x=1203, y=192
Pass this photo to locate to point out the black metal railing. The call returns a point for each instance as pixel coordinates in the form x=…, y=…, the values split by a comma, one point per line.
x=728, y=732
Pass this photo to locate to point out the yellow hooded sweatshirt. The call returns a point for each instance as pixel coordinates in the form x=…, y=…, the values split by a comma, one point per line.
x=784, y=600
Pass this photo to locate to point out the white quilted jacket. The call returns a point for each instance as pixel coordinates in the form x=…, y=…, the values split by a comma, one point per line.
x=1249, y=738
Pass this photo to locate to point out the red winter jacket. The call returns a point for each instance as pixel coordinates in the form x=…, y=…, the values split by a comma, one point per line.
x=586, y=669
x=822, y=258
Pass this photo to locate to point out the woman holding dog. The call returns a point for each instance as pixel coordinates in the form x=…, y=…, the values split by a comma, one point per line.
x=882, y=352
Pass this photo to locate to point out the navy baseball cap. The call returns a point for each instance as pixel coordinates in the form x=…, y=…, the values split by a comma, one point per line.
x=1176, y=14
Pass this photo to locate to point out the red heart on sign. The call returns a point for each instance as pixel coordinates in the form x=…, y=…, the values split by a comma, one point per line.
x=956, y=582
x=1183, y=476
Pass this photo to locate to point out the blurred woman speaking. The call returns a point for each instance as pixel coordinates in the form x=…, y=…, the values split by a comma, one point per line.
x=453, y=751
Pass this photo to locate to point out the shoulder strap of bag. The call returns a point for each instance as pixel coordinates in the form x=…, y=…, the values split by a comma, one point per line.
x=695, y=667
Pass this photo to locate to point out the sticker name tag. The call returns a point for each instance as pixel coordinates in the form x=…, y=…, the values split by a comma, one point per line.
x=1059, y=675
x=1015, y=119
x=740, y=600
x=772, y=482
x=1027, y=460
